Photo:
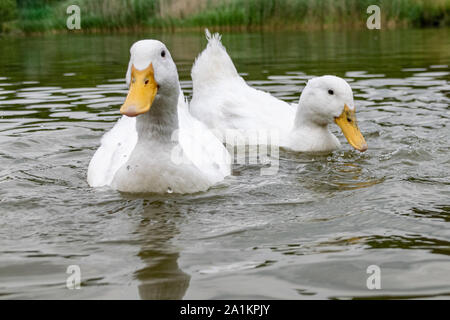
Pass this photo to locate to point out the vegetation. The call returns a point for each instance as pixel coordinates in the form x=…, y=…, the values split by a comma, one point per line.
x=47, y=15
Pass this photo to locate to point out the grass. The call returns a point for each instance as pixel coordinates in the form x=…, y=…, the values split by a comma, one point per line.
x=273, y=14
x=48, y=15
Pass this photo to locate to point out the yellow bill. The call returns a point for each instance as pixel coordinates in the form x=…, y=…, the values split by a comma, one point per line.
x=347, y=122
x=143, y=89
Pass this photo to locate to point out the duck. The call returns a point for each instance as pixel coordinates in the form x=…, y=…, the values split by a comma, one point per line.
x=226, y=103
x=157, y=146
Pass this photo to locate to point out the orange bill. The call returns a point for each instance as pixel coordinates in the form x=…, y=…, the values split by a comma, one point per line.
x=347, y=122
x=143, y=89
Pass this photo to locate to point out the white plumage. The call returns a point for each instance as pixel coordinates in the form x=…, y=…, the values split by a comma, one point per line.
x=115, y=148
x=164, y=149
x=223, y=101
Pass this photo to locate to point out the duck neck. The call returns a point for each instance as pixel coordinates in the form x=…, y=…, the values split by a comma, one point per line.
x=304, y=118
x=308, y=124
x=161, y=121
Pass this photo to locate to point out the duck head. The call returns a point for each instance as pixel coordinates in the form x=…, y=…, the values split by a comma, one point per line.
x=329, y=99
x=151, y=76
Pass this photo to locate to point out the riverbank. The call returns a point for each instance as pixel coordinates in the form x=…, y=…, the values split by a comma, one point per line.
x=42, y=16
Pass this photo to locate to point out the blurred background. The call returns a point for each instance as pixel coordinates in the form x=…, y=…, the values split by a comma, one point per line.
x=28, y=16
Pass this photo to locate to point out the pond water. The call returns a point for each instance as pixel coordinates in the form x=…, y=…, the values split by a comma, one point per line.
x=310, y=231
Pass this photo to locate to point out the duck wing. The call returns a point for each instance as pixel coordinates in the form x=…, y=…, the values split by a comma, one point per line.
x=114, y=151
x=201, y=146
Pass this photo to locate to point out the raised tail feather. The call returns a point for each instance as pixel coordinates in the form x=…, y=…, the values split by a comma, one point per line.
x=213, y=63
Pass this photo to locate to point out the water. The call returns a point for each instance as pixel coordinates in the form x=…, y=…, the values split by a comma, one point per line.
x=311, y=231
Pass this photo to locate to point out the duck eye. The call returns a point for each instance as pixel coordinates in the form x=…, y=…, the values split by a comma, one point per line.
x=146, y=81
x=163, y=53
x=349, y=120
x=330, y=91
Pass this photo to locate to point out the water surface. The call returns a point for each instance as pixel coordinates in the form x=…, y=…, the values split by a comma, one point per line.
x=310, y=231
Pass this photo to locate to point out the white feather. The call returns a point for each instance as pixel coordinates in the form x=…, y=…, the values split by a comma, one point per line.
x=201, y=146
x=138, y=154
x=223, y=101
x=115, y=149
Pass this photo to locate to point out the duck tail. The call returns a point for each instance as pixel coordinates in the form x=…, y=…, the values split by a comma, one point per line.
x=213, y=63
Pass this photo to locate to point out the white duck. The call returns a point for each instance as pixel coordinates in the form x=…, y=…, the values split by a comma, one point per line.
x=157, y=146
x=223, y=100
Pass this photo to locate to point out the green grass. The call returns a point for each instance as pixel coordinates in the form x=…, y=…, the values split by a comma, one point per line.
x=47, y=15
x=322, y=13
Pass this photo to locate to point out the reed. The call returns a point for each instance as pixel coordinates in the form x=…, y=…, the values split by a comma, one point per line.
x=47, y=15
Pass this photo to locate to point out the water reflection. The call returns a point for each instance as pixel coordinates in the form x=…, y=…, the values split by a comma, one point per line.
x=313, y=228
x=333, y=173
x=161, y=278
x=436, y=212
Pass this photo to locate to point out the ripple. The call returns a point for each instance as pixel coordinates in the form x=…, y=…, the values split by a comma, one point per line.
x=308, y=232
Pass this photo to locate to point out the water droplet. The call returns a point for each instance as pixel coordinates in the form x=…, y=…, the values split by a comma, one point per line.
x=169, y=190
